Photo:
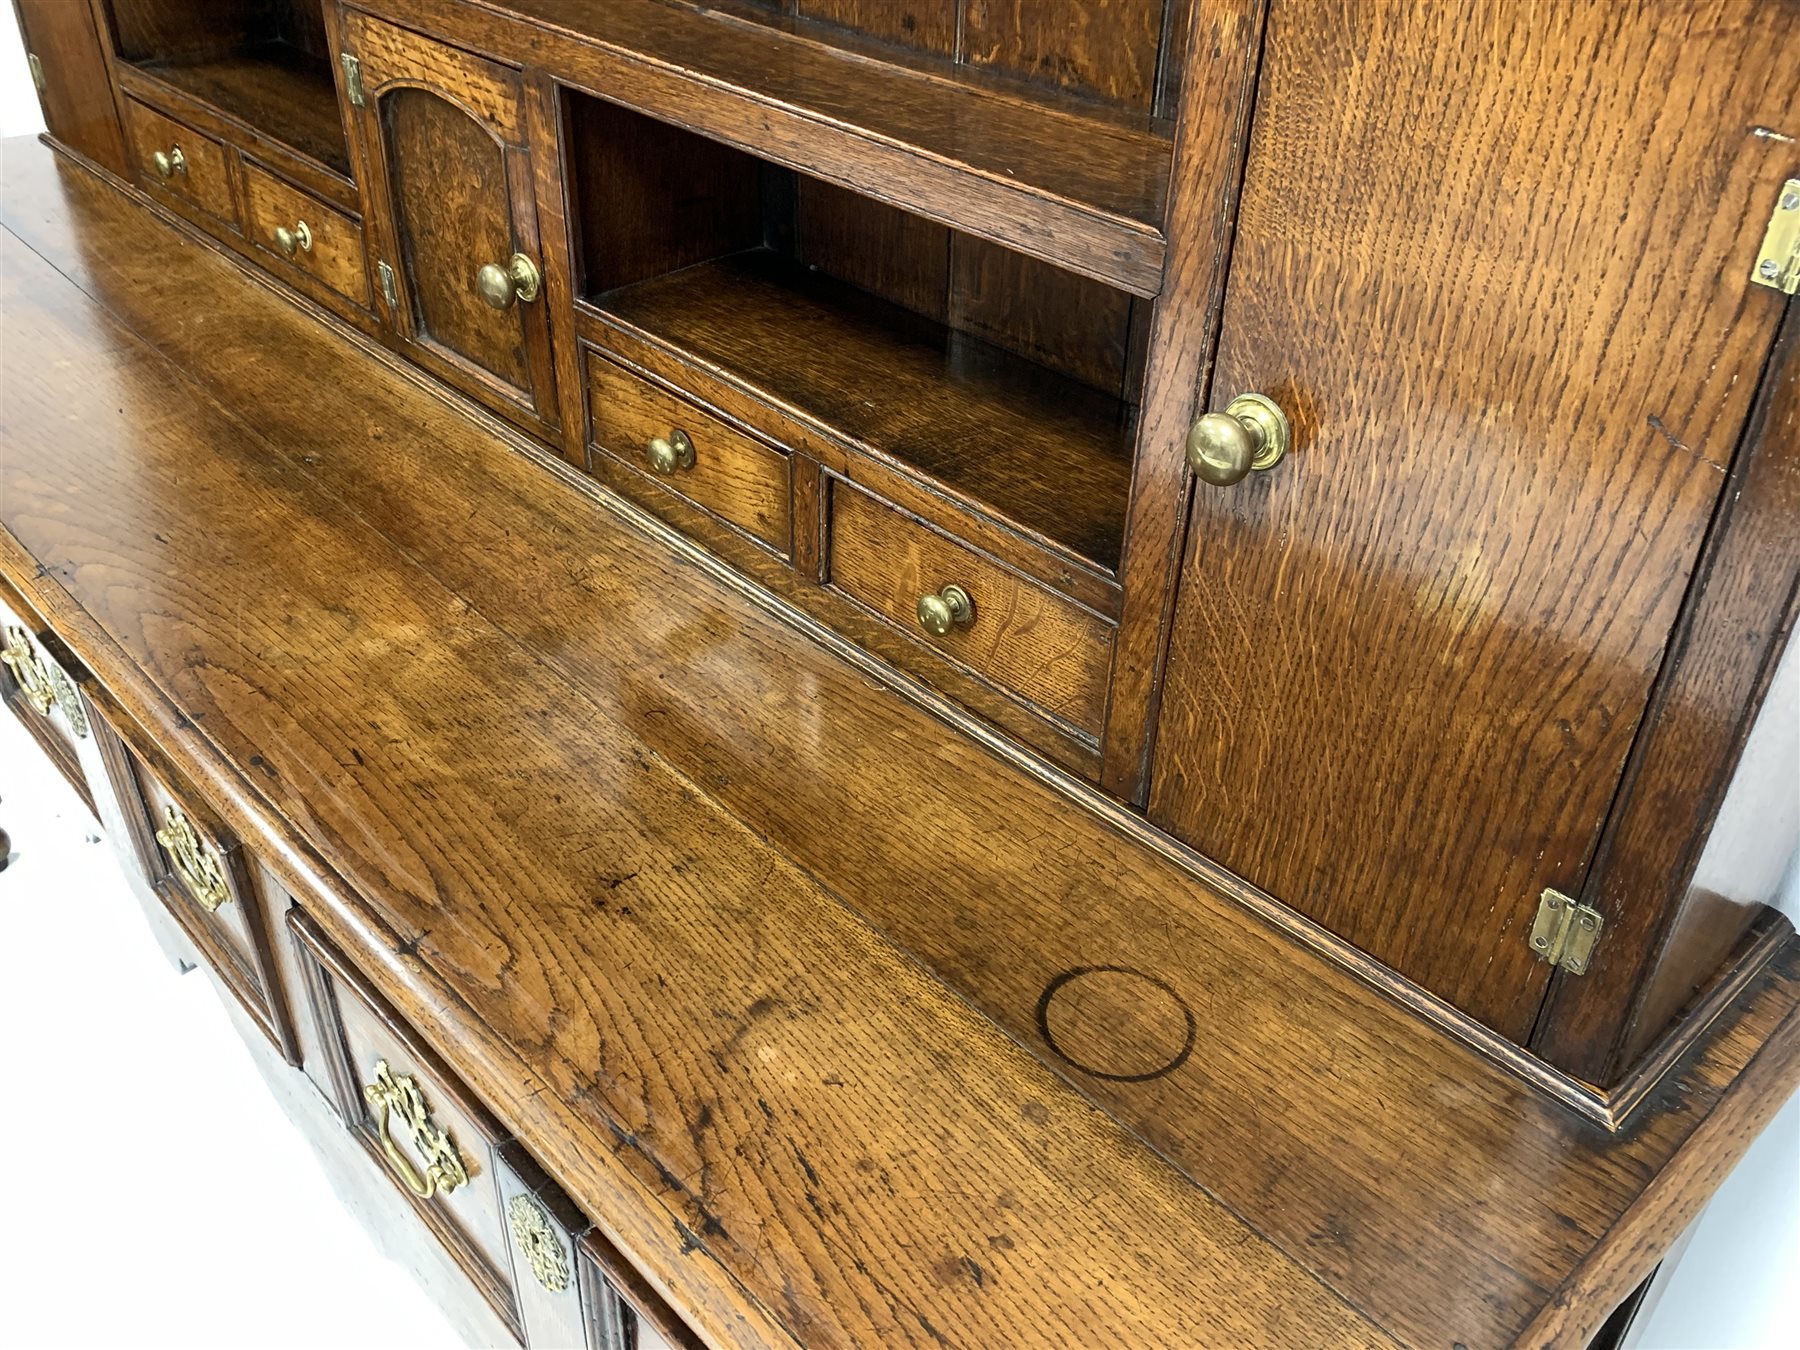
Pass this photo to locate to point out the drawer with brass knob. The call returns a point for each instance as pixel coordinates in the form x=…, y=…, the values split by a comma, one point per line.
x=419, y=1125
x=964, y=606
x=177, y=161
x=295, y=226
x=675, y=449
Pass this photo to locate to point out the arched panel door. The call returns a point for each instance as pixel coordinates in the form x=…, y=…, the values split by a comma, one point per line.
x=449, y=194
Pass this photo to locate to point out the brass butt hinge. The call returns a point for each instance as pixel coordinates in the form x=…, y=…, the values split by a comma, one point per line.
x=390, y=292
x=37, y=70
x=1565, y=932
x=1778, y=265
x=353, y=85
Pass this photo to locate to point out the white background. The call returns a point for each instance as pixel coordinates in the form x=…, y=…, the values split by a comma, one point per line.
x=157, y=1196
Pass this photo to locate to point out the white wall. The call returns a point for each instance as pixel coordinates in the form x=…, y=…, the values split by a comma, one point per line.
x=1736, y=1287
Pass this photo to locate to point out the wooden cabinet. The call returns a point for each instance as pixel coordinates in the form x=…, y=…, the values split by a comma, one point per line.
x=1410, y=663
x=443, y=139
x=1278, y=521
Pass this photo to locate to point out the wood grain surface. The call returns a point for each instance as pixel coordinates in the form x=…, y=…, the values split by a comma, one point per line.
x=1408, y=664
x=1064, y=182
x=336, y=642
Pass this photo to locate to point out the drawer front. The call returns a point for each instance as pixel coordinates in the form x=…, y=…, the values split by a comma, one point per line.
x=623, y=1312
x=43, y=697
x=695, y=456
x=304, y=232
x=543, y=1228
x=1032, y=642
x=198, y=869
x=419, y=1125
x=172, y=157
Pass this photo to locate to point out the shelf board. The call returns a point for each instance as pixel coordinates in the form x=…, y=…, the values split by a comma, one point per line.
x=1045, y=454
x=287, y=94
x=1080, y=187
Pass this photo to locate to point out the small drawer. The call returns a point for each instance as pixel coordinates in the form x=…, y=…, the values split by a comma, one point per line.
x=41, y=695
x=199, y=871
x=304, y=232
x=172, y=157
x=1014, y=632
x=695, y=456
x=422, y=1128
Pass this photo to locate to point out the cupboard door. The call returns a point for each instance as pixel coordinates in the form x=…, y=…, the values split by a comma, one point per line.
x=68, y=65
x=451, y=205
x=1504, y=298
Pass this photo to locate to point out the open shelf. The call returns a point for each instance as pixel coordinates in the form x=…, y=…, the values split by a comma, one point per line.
x=264, y=64
x=1075, y=184
x=1008, y=383
x=284, y=92
x=1034, y=447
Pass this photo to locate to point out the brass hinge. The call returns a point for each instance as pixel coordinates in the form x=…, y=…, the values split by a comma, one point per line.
x=1778, y=265
x=37, y=70
x=390, y=292
x=1565, y=932
x=353, y=85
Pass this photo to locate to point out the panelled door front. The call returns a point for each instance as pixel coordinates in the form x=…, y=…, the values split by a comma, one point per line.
x=449, y=188
x=1408, y=661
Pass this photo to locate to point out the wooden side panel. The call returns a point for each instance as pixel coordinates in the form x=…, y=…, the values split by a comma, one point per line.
x=76, y=94
x=632, y=176
x=1711, y=811
x=1408, y=664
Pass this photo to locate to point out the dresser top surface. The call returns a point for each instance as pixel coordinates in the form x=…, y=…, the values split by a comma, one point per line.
x=848, y=1030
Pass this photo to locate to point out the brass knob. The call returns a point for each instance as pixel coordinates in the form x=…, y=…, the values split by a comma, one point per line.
x=519, y=280
x=1252, y=433
x=950, y=607
x=670, y=454
x=293, y=241
x=169, y=163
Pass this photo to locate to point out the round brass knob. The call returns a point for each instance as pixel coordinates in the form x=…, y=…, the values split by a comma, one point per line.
x=1252, y=433
x=295, y=240
x=499, y=286
x=670, y=454
x=170, y=162
x=950, y=607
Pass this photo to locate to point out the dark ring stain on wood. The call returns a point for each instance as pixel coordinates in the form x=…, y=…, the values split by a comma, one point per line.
x=1143, y=1011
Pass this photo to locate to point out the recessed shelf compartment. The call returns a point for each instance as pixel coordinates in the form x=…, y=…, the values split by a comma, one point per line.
x=1009, y=384
x=264, y=63
x=1078, y=181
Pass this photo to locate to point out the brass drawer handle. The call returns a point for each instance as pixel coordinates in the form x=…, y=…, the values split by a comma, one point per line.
x=1252, y=433
x=297, y=240
x=196, y=862
x=29, y=670
x=519, y=279
x=539, y=1242
x=170, y=162
x=670, y=454
x=949, y=608
x=398, y=1093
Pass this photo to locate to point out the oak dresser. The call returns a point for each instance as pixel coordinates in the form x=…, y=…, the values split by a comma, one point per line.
x=980, y=672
